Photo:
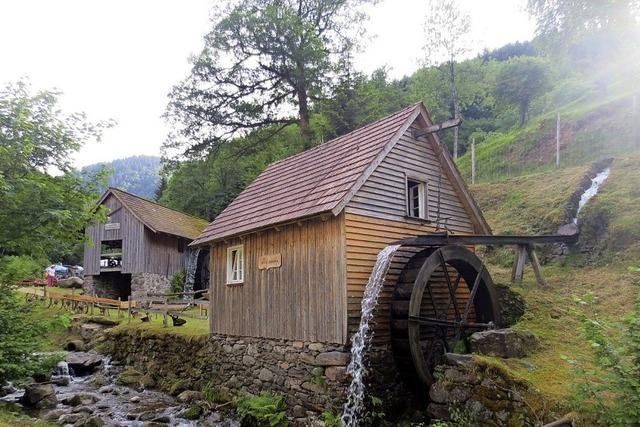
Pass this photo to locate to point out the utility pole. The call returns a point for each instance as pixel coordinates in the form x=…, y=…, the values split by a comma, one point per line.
x=558, y=141
x=473, y=160
x=634, y=120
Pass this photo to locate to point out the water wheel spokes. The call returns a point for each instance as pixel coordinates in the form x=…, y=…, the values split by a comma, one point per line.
x=452, y=297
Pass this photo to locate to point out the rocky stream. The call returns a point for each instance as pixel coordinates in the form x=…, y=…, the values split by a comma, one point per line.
x=84, y=391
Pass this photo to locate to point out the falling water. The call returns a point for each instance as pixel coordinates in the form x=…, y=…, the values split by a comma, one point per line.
x=62, y=369
x=592, y=190
x=355, y=394
x=192, y=265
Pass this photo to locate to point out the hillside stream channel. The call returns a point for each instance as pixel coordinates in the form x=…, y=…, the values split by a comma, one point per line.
x=96, y=399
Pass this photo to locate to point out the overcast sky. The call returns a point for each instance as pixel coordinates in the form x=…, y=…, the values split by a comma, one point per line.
x=118, y=59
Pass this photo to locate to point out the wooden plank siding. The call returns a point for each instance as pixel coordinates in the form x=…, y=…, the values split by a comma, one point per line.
x=162, y=255
x=376, y=216
x=304, y=299
x=365, y=237
x=383, y=194
x=142, y=250
x=91, y=261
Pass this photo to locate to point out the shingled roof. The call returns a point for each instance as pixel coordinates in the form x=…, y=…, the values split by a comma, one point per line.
x=320, y=180
x=158, y=218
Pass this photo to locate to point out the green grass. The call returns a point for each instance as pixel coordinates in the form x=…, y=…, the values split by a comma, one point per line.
x=529, y=204
x=9, y=418
x=593, y=127
x=193, y=327
x=535, y=203
x=618, y=204
x=552, y=315
x=55, y=320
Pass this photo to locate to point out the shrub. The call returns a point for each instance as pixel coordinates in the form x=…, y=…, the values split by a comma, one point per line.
x=14, y=268
x=618, y=373
x=213, y=394
x=331, y=420
x=263, y=410
x=177, y=281
x=20, y=337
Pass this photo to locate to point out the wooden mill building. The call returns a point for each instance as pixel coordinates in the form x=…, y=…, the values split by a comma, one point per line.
x=140, y=247
x=291, y=255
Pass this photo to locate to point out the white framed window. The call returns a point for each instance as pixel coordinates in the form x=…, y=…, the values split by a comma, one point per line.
x=235, y=264
x=416, y=198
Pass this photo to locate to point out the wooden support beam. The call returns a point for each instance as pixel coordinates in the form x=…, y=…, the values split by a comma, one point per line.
x=521, y=254
x=535, y=264
x=442, y=239
x=518, y=264
x=448, y=124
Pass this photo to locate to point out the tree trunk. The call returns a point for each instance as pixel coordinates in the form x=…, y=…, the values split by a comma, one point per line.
x=303, y=120
x=524, y=109
x=456, y=105
x=303, y=107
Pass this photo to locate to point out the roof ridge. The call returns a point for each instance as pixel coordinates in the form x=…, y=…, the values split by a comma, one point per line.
x=335, y=164
x=157, y=204
x=337, y=138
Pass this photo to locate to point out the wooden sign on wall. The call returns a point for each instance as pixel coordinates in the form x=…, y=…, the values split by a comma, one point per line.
x=112, y=226
x=266, y=262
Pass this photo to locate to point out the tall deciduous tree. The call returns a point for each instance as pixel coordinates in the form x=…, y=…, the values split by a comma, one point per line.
x=520, y=81
x=264, y=63
x=44, y=204
x=572, y=18
x=446, y=32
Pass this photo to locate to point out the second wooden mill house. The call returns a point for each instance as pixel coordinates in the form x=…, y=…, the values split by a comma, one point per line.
x=291, y=255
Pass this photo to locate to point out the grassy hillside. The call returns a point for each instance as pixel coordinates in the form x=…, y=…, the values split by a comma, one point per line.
x=584, y=287
x=592, y=128
x=529, y=204
x=612, y=221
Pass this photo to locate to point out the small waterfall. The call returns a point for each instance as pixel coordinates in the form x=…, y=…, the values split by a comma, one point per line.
x=592, y=190
x=355, y=395
x=62, y=369
x=192, y=265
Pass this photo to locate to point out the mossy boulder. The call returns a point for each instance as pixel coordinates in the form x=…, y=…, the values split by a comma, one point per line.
x=39, y=396
x=130, y=378
x=483, y=391
x=192, y=413
x=504, y=343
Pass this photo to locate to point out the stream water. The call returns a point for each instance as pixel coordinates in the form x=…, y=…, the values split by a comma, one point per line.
x=192, y=265
x=596, y=182
x=356, y=369
x=98, y=395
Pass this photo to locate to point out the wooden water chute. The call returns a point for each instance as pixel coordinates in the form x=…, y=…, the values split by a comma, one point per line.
x=443, y=295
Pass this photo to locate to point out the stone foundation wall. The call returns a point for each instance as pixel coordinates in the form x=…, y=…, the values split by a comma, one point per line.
x=142, y=283
x=100, y=287
x=312, y=376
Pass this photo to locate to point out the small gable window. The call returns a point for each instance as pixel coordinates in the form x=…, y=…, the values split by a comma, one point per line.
x=235, y=264
x=416, y=198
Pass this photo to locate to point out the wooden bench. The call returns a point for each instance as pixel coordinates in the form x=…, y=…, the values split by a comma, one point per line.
x=175, y=305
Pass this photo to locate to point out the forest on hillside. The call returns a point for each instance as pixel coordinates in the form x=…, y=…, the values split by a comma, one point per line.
x=136, y=174
x=579, y=66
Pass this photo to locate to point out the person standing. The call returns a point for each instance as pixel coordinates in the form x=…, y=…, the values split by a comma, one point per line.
x=51, y=275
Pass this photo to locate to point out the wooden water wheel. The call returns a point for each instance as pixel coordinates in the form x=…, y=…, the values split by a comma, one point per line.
x=443, y=295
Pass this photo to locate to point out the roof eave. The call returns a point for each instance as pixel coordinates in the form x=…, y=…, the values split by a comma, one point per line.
x=211, y=240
